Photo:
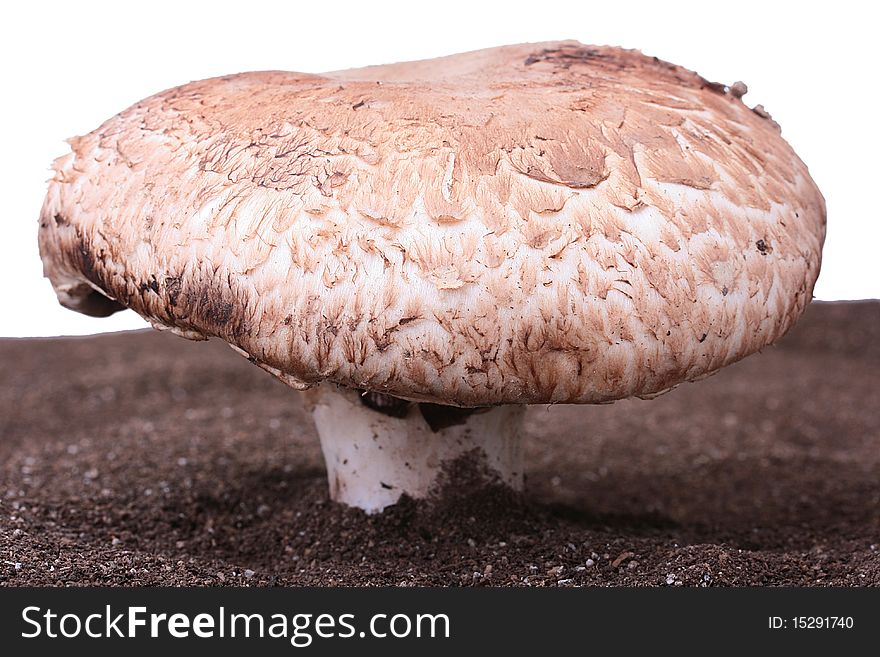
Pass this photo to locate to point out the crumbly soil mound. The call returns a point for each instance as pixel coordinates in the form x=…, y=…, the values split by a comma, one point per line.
x=140, y=458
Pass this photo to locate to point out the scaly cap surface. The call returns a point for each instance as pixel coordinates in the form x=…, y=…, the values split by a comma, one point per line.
x=527, y=224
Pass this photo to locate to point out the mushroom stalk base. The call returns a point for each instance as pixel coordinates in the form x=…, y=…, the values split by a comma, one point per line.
x=373, y=459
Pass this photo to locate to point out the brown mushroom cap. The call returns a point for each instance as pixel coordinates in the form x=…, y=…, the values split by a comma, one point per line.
x=527, y=224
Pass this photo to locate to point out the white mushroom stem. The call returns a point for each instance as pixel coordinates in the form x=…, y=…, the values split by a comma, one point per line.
x=373, y=459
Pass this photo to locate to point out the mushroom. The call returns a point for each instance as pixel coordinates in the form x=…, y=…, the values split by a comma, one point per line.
x=430, y=246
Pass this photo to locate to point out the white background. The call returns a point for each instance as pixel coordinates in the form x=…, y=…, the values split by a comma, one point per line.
x=69, y=66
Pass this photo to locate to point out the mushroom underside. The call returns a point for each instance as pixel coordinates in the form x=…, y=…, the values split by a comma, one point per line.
x=378, y=448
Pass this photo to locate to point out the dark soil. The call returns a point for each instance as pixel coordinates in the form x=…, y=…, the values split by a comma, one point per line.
x=140, y=458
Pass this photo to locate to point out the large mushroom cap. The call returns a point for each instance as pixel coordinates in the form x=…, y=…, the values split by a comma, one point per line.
x=535, y=223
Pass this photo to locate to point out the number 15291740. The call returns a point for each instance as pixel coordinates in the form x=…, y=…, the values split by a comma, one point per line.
x=810, y=623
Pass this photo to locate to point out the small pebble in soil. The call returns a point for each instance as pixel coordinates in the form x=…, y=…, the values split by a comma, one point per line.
x=249, y=573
